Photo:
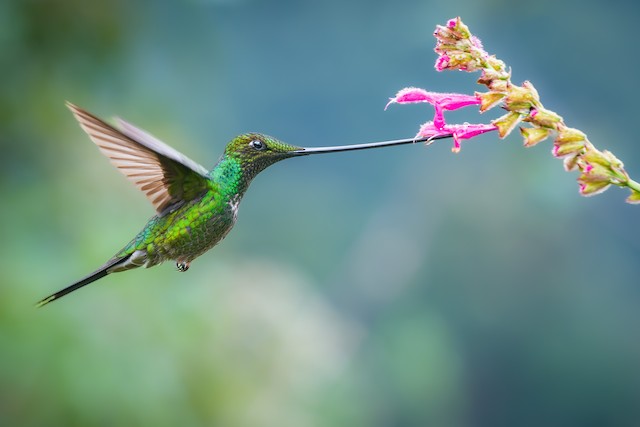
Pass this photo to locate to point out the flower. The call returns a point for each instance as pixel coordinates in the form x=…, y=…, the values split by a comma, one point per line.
x=534, y=135
x=440, y=101
x=458, y=131
x=569, y=142
x=446, y=101
x=442, y=63
x=458, y=49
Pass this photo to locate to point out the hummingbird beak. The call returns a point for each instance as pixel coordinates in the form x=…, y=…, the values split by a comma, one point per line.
x=337, y=148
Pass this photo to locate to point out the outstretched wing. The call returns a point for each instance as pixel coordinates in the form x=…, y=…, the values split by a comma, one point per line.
x=166, y=176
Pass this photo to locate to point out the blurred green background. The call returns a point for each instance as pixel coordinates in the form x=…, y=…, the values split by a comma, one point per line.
x=397, y=287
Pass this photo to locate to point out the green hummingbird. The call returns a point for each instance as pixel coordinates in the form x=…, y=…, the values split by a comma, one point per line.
x=195, y=208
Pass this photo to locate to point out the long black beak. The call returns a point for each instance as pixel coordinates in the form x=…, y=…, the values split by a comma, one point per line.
x=321, y=150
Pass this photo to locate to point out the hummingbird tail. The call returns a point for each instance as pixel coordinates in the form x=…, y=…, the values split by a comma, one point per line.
x=98, y=274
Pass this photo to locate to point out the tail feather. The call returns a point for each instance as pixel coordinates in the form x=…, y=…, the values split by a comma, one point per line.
x=98, y=274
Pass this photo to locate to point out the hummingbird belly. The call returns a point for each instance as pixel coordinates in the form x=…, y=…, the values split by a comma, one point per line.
x=195, y=233
x=186, y=233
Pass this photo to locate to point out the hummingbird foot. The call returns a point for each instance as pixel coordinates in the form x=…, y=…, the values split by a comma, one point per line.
x=182, y=266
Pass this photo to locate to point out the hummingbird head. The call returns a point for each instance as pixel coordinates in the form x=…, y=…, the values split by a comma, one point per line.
x=249, y=154
x=255, y=152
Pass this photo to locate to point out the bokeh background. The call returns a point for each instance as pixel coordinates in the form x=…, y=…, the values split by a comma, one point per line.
x=398, y=287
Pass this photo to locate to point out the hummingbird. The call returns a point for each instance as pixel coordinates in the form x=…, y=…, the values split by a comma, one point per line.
x=194, y=208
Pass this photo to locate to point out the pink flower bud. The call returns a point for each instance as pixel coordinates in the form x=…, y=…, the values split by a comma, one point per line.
x=595, y=177
x=544, y=118
x=591, y=188
x=442, y=63
x=568, y=148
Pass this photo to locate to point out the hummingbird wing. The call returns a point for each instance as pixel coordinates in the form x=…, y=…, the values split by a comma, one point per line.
x=164, y=175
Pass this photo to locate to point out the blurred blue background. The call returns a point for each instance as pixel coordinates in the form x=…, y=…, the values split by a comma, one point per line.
x=398, y=287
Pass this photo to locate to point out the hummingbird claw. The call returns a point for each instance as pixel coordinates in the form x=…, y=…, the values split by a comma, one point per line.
x=182, y=266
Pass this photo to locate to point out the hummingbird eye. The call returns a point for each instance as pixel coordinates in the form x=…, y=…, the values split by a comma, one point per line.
x=257, y=144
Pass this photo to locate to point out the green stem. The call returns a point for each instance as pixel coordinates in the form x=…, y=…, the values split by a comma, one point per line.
x=635, y=186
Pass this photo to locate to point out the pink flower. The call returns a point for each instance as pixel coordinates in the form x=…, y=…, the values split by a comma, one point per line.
x=440, y=101
x=442, y=63
x=459, y=132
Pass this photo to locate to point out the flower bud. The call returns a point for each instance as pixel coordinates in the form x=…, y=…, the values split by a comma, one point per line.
x=444, y=48
x=570, y=162
x=462, y=61
x=544, y=118
x=442, y=63
x=490, y=77
x=499, y=85
x=529, y=86
x=489, y=100
x=568, y=141
x=458, y=28
x=507, y=123
x=614, y=162
x=594, y=171
x=534, y=135
x=594, y=157
x=444, y=34
x=591, y=188
x=566, y=135
x=562, y=150
x=520, y=98
x=634, y=197
x=496, y=64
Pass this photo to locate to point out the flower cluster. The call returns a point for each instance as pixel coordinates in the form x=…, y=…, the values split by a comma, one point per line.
x=441, y=102
x=458, y=49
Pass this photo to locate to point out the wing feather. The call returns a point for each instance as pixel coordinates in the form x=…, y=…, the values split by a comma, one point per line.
x=166, y=176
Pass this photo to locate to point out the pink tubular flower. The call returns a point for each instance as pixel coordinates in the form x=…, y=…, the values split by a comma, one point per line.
x=447, y=101
x=459, y=132
x=440, y=101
